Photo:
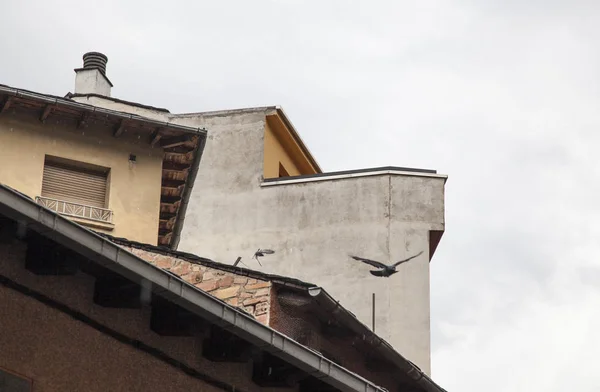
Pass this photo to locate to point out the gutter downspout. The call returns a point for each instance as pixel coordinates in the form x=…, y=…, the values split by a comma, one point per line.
x=383, y=347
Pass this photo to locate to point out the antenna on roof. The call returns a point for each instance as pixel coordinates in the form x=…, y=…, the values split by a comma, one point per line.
x=237, y=261
x=373, y=313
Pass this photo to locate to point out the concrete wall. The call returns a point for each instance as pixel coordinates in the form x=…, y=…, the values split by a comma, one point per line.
x=60, y=353
x=313, y=226
x=134, y=189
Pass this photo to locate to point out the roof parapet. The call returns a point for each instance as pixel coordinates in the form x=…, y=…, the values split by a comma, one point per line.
x=376, y=171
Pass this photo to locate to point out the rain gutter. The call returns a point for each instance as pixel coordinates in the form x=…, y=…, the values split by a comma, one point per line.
x=321, y=297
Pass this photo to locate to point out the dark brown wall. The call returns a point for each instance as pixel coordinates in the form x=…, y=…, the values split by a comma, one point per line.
x=60, y=353
x=302, y=325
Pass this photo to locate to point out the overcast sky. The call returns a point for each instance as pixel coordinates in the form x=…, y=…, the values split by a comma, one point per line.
x=501, y=95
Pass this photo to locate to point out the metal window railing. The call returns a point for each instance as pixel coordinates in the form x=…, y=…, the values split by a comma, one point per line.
x=76, y=210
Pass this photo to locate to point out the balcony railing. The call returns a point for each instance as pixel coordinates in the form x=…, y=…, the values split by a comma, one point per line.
x=76, y=210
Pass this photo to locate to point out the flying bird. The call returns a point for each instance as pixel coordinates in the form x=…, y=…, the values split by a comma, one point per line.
x=384, y=270
x=261, y=253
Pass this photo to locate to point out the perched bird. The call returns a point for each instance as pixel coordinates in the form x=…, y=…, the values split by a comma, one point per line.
x=261, y=253
x=385, y=270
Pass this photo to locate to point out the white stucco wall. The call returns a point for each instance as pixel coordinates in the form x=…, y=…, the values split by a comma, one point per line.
x=91, y=81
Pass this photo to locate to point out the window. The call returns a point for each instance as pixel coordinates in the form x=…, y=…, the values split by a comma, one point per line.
x=12, y=383
x=69, y=181
x=76, y=189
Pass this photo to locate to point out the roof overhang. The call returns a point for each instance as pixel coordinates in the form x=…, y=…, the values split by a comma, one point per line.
x=330, y=312
x=13, y=97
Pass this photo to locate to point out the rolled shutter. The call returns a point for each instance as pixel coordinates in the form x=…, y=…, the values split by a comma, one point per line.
x=74, y=185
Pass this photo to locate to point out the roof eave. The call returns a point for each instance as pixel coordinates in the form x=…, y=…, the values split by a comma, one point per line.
x=322, y=297
x=59, y=101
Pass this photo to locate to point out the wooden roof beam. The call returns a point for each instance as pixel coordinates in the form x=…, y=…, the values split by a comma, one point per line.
x=155, y=137
x=181, y=158
x=169, y=208
x=5, y=105
x=165, y=240
x=167, y=224
x=172, y=191
x=174, y=141
x=174, y=175
x=168, y=183
x=175, y=166
x=46, y=112
x=83, y=120
x=120, y=129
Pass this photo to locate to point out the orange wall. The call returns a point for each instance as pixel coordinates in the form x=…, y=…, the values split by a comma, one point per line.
x=275, y=154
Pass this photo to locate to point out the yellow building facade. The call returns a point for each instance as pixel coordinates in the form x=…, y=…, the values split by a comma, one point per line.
x=132, y=188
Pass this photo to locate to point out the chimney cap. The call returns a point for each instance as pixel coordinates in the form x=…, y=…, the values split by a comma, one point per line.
x=96, y=60
x=95, y=54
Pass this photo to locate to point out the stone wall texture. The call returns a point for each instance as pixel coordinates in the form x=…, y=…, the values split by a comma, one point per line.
x=249, y=294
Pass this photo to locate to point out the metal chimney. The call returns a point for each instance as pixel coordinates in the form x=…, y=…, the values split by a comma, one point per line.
x=95, y=60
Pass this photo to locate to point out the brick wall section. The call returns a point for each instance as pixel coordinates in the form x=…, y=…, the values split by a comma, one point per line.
x=251, y=295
